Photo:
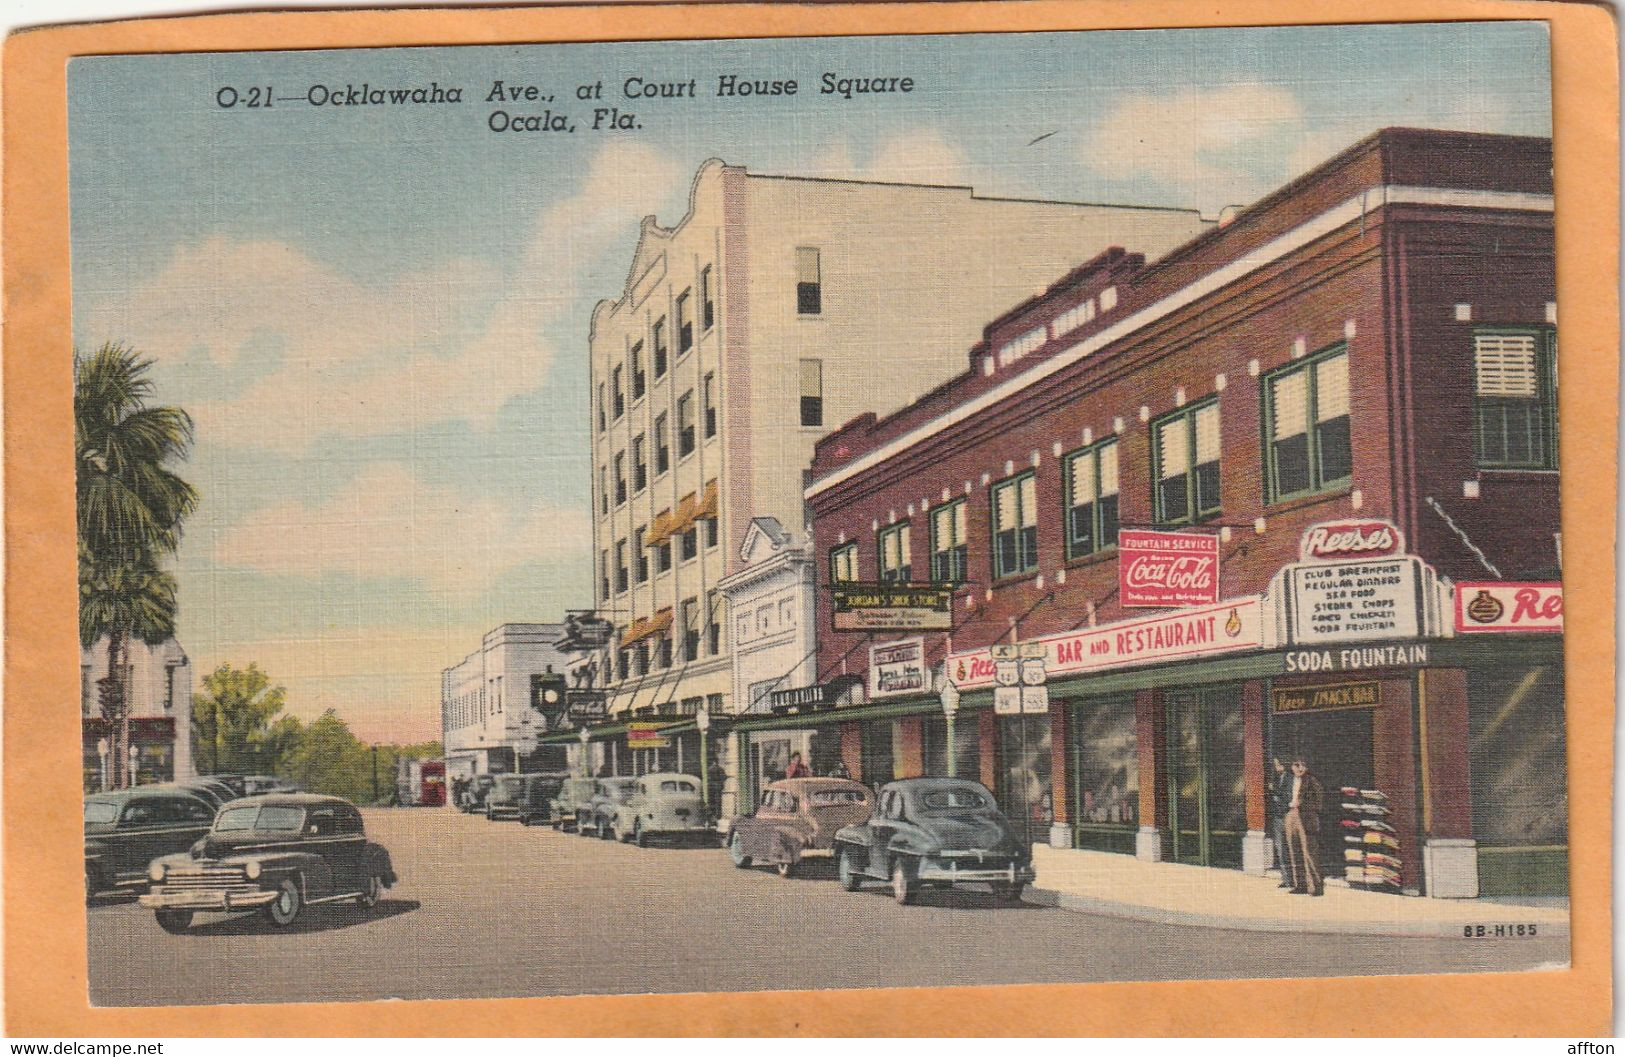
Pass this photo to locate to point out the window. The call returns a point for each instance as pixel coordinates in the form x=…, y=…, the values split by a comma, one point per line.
x=1017, y=348
x=685, y=325
x=712, y=534
x=663, y=651
x=1185, y=451
x=620, y=566
x=662, y=446
x=620, y=477
x=691, y=542
x=660, y=347
x=603, y=575
x=640, y=381
x=714, y=630
x=691, y=630
x=1308, y=416
x=948, y=550
x=708, y=405
x=640, y=465
x=812, y=392
x=1015, y=526
x=809, y=284
x=663, y=557
x=603, y=489
x=618, y=393
x=1091, y=499
x=603, y=419
x=843, y=563
x=895, y=566
x=708, y=306
x=640, y=556
x=685, y=425
x=1515, y=405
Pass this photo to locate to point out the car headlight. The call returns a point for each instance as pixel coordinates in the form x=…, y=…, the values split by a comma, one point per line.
x=252, y=870
x=156, y=872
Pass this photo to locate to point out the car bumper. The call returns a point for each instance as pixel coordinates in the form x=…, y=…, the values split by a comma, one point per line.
x=953, y=872
x=236, y=898
x=503, y=812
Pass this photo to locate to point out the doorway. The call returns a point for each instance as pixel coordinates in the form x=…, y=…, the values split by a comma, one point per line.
x=1207, y=807
x=1337, y=746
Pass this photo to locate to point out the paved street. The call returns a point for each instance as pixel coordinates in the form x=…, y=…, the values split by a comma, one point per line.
x=498, y=910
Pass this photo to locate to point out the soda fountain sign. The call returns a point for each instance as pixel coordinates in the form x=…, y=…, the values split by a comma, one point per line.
x=1356, y=539
x=1499, y=605
x=1167, y=569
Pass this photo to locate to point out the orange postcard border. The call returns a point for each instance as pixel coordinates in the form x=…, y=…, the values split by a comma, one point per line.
x=45, y=971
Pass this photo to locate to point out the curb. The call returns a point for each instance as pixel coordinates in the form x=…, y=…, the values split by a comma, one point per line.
x=1080, y=904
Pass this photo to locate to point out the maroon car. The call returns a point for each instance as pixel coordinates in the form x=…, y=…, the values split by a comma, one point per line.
x=797, y=819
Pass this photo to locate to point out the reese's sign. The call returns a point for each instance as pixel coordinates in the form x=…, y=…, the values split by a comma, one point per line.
x=1328, y=697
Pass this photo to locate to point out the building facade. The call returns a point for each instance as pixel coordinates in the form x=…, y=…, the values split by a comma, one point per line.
x=1317, y=448
x=776, y=308
x=160, y=688
x=490, y=718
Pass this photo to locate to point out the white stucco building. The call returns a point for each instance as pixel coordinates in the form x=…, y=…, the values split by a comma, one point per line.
x=488, y=724
x=160, y=704
x=775, y=310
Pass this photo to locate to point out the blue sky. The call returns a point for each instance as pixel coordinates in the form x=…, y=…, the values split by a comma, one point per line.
x=378, y=315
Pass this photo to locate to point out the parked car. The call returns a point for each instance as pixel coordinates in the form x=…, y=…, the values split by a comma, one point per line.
x=938, y=832
x=572, y=802
x=797, y=819
x=278, y=853
x=208, y=787
x=236, y=783
x=610, y=794
x=526, y=797
x=208, y=792
x=127, y=829
x=663, y=804
x=475, y=792
x=256, y=784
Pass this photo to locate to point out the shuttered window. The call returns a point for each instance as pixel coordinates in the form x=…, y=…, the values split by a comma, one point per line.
x=1091, y=499
x=1015, y=526
x=812, y=392
x=894, y=549
x=948, y=549
x=1515, y=399
x=809, y=282
x=843, y=563
x=1307, y=407
x=1185, y=450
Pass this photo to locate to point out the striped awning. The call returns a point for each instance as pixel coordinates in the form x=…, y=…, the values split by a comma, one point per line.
x=687, y=510
x=710, y=502
x=660, y=530
x=647, y=627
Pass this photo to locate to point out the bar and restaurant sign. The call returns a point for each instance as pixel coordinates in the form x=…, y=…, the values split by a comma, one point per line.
x=1162, y=570
x=897, y=668
x=1326, y=698
x=1232, y=625
x=1500, y=605
x=892, y=607
x=646, y=736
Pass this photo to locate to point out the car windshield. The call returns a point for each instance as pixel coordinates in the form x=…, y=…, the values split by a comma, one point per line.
x=288, y=819
x=956, y=799
x=676, y=787
x=834, y=797
x=100, y=811
x=236, y=818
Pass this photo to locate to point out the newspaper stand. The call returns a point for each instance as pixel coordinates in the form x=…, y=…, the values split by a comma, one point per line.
x=1370, y=847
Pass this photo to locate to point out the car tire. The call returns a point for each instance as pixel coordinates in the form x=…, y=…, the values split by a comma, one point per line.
x=174, y=922
x=1009, y=893
x=736, y=851
x=904, y=884
x=640, y=838
x=850, y=880
x=605, y=831
x=284, y=909
x=786, y=869
x=372, y=893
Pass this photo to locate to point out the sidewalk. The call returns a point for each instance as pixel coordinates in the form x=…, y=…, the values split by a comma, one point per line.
x=1122, y=886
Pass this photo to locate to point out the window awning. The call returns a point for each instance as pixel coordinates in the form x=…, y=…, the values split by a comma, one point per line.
x=709, y=502
x=687, y=510
x=647, y=627
x=660, y=530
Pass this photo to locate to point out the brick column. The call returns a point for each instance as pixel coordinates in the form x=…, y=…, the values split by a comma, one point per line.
x=987, y=747
x=1448, y=852
x=1149, y=723
x=1255, y=844
x=910, y=751
x=1060, y=730
x=852, y=749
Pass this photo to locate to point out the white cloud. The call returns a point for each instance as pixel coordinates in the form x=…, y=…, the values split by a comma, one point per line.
x=919, y=156
x=1198, y=141
x=387, y=523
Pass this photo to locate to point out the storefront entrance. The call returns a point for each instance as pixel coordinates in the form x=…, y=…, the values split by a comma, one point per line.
x=1024, y=777
x=1337, y=747
x=1207, y=811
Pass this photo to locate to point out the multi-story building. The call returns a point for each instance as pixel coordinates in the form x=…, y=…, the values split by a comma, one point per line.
x=490, y=716
x=777, y=307
x=1333, y=423
x=159, y=679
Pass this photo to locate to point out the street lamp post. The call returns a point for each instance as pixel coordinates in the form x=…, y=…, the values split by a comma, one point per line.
x=949, y=695
x=586, y=762
x=702, y=723
x=101, y=750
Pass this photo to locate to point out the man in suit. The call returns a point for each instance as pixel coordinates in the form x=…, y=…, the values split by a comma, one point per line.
x=1302, y=830
x=1280, y=803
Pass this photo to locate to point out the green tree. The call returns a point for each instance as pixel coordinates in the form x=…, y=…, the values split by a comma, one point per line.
x=130, y=509
x=331, y=759
x=236, y=723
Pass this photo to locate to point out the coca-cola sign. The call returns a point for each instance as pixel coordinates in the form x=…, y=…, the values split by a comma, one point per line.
x=1356, y=539
x=1166, y=569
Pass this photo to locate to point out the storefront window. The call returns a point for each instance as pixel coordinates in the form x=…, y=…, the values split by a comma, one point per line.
x=1106, y=771
x=967, y=748
x=1025, y=794
x=877, y=758
x=1518, y=770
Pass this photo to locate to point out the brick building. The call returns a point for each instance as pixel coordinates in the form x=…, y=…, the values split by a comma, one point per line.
x=1371, y=350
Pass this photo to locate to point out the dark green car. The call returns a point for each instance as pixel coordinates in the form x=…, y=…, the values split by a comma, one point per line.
x=127, y=829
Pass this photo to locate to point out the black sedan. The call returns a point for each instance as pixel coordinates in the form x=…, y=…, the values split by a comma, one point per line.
x=936, y=832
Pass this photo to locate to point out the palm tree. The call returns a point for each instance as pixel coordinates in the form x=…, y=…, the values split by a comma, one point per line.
x=130, y=511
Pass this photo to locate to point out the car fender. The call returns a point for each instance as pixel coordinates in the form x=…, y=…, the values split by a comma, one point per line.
x=378, y=862
x=313, y=870
x=857, y=835
x=909, y=840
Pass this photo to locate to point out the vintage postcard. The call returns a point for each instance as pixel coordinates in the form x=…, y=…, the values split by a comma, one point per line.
x=820, y=513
